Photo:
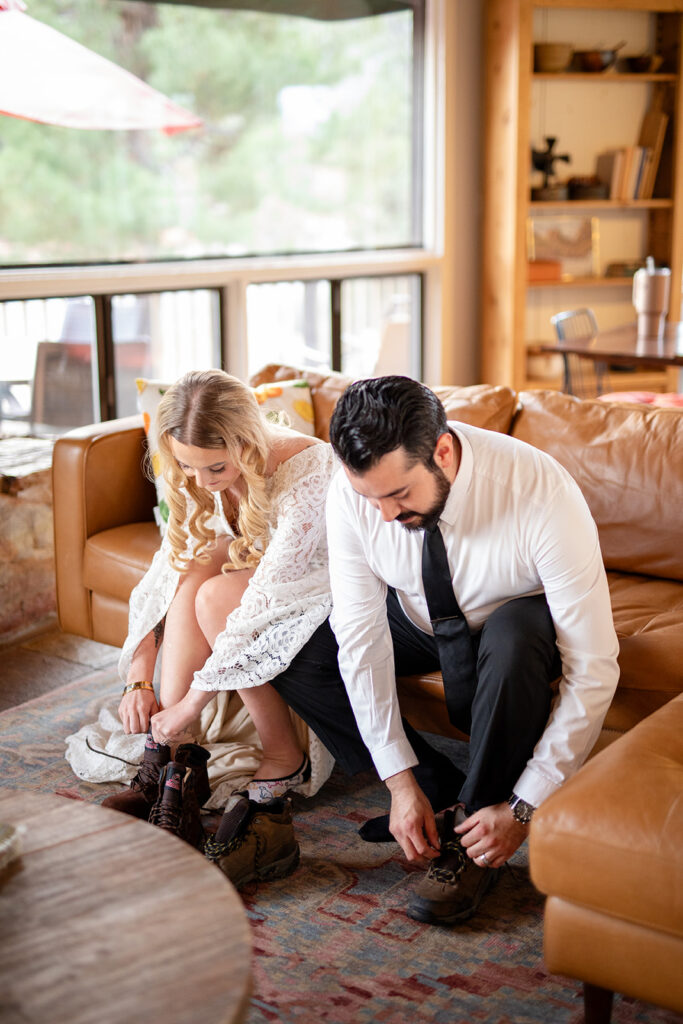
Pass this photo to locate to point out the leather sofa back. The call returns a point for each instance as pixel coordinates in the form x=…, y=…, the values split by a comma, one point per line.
x=482, y=405
x=628, y=461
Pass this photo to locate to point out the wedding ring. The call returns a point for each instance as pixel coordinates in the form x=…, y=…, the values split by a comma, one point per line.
x=485, y=859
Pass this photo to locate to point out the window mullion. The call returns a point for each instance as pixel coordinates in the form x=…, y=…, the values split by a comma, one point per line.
x=105, y=397
x=336, y=331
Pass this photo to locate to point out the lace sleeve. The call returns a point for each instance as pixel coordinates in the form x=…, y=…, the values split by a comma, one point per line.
x=288, y=596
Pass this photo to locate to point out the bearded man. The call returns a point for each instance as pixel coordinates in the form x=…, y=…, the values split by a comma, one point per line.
x=463, y=550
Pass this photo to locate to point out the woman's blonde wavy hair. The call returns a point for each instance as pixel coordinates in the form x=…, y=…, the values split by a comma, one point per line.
x=211, y=409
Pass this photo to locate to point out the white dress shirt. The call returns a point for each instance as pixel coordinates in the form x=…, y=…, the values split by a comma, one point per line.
x=515, y=524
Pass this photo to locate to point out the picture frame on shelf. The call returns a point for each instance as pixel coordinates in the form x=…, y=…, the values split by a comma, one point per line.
x=572, y=242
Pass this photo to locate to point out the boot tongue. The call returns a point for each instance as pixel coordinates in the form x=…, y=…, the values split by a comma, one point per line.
x=234, y=818
x=192, y=754
x=448, y=824
x=172, y=784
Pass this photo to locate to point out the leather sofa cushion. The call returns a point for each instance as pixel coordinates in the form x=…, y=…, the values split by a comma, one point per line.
x=647, y=617
x=615, y=954
x=610, y=839
x=109, y=619
x=482, y=405
x=116, y=560
x=627, y=461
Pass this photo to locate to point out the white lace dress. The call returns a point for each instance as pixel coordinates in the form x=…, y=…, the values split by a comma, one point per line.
x=287, y=598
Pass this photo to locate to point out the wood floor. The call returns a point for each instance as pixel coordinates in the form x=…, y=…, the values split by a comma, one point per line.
x=42, y=663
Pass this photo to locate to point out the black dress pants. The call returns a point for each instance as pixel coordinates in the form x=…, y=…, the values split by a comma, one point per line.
x=517, y=659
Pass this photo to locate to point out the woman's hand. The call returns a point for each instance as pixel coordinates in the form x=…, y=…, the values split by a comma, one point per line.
x=170, y=725
x=136, y=710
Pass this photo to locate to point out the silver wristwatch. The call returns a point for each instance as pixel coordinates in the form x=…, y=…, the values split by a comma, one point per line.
x=521, y=810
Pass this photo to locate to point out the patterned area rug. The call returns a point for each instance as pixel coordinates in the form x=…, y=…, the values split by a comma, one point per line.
x=332, y=942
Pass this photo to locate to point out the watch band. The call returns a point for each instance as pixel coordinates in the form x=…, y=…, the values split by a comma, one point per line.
x=521, y=810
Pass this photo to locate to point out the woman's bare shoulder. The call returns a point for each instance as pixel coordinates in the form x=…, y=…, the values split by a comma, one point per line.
x=286, y=446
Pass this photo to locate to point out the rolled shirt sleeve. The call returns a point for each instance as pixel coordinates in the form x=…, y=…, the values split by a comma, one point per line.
x=366, y=654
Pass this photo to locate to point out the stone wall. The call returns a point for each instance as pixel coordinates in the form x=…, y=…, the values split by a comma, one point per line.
x=27, y=564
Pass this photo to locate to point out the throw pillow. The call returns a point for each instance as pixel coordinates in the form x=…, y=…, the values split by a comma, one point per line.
x=291, y=397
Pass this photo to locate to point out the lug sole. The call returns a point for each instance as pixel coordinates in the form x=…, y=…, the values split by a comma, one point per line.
x=278, y=869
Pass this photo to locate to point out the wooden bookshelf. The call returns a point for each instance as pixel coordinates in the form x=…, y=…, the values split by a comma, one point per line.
x=515, y=310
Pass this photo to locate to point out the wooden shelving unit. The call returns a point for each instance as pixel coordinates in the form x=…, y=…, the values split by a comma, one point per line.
x=570, y=205
x=584, y=282
x=514, y=308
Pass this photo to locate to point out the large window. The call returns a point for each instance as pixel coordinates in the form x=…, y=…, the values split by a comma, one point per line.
x=308, y=141
x=288, y=228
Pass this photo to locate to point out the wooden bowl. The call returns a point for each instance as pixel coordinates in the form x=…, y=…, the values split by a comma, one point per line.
x=552, y=56
x=644, y=63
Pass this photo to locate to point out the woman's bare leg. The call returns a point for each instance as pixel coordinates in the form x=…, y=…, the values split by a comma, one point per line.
x=185, y=646
x=282, y=752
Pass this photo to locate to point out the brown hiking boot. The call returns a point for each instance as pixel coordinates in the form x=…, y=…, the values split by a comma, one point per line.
x=254, y=841
x=176, y=808
x=454, y=885
x=143, y=790
x=196, y=758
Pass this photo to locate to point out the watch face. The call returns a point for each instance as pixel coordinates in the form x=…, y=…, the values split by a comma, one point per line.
x=521, y=810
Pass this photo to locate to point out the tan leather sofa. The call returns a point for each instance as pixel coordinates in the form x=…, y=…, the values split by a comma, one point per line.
x=628, y=461
x=608, y=850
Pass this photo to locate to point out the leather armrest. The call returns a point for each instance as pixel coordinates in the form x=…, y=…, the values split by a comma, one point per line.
x=616, y=822
x=98, y=482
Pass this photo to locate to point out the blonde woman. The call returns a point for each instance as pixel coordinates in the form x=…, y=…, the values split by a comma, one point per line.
x=236, y=590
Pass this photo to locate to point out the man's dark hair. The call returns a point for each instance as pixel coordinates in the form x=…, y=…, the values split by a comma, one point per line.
x=377, y=416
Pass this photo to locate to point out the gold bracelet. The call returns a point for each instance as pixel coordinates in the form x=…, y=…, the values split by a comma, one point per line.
x=142, y=684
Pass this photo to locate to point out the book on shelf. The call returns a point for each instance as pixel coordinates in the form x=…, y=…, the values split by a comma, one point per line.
x=652, y=132
x=609, y=169
x=629, y=171
x=645, y=168
x=641, y=162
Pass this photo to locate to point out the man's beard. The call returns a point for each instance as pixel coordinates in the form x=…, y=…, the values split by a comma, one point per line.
x=429, y=519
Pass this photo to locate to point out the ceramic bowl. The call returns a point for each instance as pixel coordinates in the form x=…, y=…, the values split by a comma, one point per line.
x=595, y=60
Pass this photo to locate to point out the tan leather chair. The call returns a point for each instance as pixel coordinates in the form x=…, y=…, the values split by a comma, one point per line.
x=105, y=534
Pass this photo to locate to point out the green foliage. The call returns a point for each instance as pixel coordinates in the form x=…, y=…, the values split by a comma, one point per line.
x=252, y=179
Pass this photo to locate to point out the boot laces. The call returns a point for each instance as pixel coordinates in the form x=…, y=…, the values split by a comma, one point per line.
x=214, y=849
x=147, y=775
x=165, y=816
x=452, y=859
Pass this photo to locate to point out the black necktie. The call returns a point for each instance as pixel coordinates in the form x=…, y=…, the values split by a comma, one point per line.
x=451, y=632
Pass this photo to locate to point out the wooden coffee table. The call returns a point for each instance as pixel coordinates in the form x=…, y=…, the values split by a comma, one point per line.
x=107, y=919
